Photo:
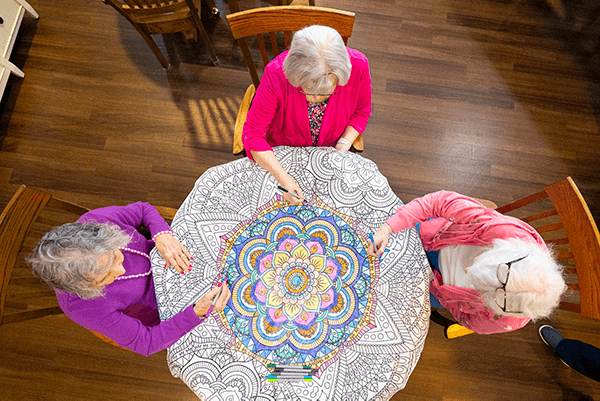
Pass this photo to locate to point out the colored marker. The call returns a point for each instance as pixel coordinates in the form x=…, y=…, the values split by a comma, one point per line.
x=373, y=242
x=288, y=192
x=214, y=302
x=274, y=365
x=289, y=379
x=294, y=370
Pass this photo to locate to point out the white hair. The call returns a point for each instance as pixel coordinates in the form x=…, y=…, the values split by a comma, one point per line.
x=315, y=53
x=534, y=286
x=66, y=258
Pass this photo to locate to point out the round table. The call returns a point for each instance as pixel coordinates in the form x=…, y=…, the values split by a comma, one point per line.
x=377, y=362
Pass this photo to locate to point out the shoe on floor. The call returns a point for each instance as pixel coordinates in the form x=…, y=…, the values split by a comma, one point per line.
x=550, y=336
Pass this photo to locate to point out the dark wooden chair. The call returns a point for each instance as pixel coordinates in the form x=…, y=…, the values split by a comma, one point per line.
x=561, y=216
x=157, y=17
x=276, y=22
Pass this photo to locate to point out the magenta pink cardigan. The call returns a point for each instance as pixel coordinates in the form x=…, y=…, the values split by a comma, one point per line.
x=458, y=219
x=279, y=113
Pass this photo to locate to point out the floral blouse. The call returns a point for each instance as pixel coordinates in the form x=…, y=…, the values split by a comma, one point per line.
x=315, y=118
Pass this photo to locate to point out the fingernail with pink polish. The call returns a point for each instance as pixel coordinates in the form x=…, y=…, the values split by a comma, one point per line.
x=181, y=272
x=220, y=284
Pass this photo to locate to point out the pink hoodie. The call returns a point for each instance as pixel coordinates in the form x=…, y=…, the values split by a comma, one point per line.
x=460, y=220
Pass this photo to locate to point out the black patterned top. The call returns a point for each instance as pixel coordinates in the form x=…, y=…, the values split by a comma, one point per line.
x=315, y=118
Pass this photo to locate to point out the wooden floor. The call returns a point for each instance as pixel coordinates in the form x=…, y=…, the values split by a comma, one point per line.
x=491, y=98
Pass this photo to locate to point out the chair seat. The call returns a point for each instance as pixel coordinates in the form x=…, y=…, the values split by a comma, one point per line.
x=172, y=12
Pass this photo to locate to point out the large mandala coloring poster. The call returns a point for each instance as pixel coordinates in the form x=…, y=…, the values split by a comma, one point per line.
x=302, y=284
x=303, y=289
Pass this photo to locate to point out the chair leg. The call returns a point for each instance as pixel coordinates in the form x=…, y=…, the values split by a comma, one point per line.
x=196, y=15
x=154, y=47
x=209, y=45
x=146, y=36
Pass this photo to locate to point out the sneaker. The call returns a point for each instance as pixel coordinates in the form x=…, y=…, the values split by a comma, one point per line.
x=550, y=336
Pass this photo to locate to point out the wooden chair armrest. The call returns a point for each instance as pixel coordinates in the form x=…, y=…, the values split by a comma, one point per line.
x=167, y=213
x=238, y=146
x=358, y=145
x=487, y=203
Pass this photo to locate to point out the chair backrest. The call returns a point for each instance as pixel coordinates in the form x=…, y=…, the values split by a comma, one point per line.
x=159, y=16
x=27, y=217
x=569, y=227
x=234, y=7
x=286, y=20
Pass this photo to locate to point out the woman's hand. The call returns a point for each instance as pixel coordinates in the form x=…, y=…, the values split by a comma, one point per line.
x=204, y=303
x=342, y=146
x=347, y=139
x=268, y=161
x=380, y=240
x=289, y=183
x=173, y=252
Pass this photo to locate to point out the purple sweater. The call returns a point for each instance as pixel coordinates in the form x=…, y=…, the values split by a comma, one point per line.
x=128, y=312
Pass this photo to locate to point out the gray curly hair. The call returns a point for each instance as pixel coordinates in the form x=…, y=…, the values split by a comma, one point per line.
x=315, y=53
x=66, y=258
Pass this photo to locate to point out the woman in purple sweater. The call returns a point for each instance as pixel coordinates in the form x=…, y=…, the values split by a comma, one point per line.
x=100, y=269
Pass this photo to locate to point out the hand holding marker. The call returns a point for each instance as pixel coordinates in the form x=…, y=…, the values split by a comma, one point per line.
x=375, y=246
x=288, y=192
x=214, y=300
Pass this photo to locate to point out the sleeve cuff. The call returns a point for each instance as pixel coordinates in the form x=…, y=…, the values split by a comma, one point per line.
x=160, y=233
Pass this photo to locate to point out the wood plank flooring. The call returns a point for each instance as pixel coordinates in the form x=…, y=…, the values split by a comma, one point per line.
x=491, y=98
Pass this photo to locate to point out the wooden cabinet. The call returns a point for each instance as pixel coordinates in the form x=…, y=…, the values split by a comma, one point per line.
x=11, y=15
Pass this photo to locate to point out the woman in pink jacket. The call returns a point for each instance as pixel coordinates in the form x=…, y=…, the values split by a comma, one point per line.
x=316, y=94
x=493, y=273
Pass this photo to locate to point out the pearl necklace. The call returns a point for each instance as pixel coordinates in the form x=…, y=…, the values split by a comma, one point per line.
x=137, y=253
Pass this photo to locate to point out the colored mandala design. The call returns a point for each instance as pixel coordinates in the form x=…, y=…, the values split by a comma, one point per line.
x=302, y=284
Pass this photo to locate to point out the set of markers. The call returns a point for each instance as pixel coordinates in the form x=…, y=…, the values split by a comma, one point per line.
x=286, y=373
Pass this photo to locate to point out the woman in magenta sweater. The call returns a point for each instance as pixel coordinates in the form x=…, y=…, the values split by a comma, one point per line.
x=492, y=272
x=100, y=269
x=316, y=94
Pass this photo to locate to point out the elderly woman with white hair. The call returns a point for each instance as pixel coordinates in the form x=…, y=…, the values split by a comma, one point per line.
x=100, y=269
x=492, y=272
x=318, y=93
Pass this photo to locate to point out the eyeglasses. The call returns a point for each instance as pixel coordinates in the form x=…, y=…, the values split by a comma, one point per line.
x=318, y=94
x=502, y=274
